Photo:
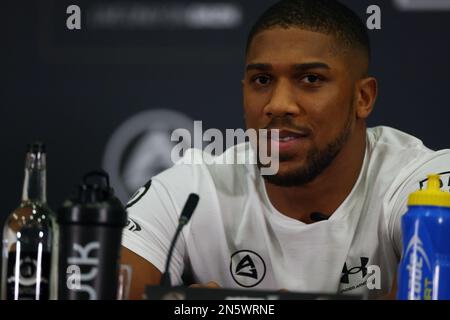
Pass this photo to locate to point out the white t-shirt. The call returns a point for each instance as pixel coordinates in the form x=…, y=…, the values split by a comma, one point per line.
x=237, y=238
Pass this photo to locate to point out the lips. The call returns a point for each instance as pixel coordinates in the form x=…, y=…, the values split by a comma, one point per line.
x=287, y=135
x=288, y=141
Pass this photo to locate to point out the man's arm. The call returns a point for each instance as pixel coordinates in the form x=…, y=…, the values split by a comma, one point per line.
x=143, y=273
x=148, y=275
x=153, y=219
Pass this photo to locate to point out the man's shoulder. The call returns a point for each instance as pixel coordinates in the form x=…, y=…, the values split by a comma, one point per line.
x=194, y=173
x=394, y=138
x=404, y=162
x=197, y=166
x=399, y=163
x=402, y=151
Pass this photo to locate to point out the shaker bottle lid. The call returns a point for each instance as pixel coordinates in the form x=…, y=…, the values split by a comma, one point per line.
x=93, y=203
x=431, y=196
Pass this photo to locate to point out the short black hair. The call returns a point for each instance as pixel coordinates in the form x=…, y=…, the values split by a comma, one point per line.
x=324, y=16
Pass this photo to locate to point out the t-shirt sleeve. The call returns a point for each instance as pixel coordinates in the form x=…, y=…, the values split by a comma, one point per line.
x=439, y=163
x=152, y=222
x=154, y=211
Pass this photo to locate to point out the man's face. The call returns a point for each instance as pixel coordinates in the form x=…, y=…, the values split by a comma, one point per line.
x=297, y=81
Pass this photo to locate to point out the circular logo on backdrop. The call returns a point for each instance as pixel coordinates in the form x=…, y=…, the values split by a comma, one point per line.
x=247, y=268
x=140, y=149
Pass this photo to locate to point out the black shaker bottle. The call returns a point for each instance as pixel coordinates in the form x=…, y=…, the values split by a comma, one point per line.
x=90, y=225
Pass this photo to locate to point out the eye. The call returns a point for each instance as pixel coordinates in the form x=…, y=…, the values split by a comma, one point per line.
x=262, y=80
x=311, y=79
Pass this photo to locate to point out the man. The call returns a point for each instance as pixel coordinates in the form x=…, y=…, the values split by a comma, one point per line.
x=333, y=209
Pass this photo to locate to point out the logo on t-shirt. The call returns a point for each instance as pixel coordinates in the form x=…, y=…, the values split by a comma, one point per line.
x=362, y=269
x=139, y=194
x=247, y=268
x=133, y=225
x=360, y=276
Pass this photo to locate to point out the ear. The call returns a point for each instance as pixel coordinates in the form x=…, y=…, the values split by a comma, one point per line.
x=367, y=90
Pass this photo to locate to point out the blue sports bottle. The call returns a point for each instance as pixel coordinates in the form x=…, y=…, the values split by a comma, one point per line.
x=424, y=272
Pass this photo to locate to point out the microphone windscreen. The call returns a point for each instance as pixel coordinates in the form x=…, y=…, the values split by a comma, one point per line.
x=190, y=206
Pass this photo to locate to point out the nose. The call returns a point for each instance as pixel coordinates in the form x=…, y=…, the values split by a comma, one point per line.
x=283, y=101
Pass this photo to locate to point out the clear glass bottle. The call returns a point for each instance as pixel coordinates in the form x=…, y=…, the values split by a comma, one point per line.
x=28, y=236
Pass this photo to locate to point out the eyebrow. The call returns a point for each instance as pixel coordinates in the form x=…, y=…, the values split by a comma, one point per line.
x=297, y=67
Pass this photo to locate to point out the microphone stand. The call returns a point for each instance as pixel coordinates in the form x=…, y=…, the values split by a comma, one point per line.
x=186, y=214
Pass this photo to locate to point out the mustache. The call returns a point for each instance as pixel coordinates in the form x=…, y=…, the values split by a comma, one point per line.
x=286, y=123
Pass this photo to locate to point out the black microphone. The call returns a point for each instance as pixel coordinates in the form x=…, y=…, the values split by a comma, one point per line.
x=317, y=217
x=188, y=210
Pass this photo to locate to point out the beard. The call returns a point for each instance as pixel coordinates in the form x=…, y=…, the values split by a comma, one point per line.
x=317, y=160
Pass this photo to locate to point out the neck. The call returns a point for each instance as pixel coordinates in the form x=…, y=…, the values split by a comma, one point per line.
x=328, y=190
x=34, y=185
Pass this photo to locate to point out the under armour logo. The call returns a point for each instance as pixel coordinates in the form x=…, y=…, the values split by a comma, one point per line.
x=362, y=268
x=247, y=263
x=247, y=268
